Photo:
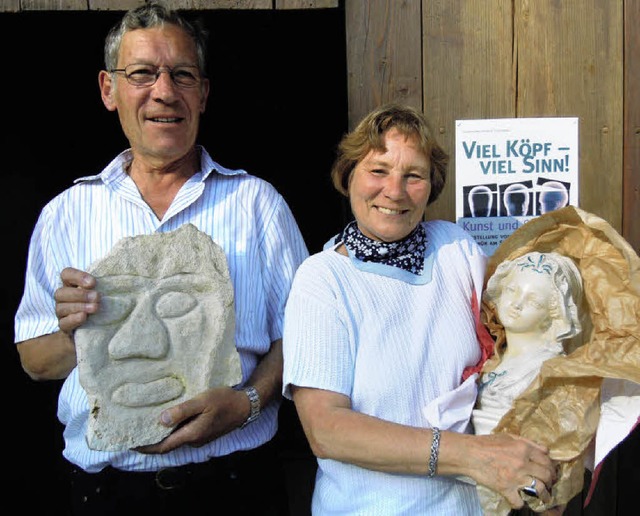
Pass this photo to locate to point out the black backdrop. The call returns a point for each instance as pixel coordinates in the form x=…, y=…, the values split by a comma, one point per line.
x=277, y=108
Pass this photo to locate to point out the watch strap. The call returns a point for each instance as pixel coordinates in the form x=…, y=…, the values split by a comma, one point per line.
x=254, y=401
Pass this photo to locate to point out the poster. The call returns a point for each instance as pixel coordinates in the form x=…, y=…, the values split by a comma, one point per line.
x=510, y=170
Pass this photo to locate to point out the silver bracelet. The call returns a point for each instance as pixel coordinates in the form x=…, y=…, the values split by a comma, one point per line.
x=435, y=448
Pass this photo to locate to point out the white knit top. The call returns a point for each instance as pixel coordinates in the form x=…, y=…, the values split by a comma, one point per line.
x=394, y=348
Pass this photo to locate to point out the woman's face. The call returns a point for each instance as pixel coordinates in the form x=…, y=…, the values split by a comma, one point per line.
x=523, y=305
x=389, y=190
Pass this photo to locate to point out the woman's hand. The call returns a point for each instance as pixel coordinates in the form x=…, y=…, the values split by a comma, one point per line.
x=501, y=462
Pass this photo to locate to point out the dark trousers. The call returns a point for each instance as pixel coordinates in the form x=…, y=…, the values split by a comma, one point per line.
x=243, y=483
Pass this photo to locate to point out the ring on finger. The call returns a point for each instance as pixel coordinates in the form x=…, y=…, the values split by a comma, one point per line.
x=531, y=488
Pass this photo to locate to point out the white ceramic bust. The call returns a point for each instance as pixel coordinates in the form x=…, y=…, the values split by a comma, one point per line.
x=536, y=297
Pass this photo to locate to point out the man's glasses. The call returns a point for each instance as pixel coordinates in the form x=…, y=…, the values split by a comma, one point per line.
x=186, y=76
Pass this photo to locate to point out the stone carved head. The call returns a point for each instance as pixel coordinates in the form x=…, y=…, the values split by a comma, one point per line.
x=164, y=333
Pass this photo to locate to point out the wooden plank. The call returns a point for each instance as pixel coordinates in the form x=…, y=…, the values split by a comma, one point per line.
x=53, y=5
x=123, y=5
x=468, y=73
x=9, y=6
x=570, y=63
x=114, y=5
x=383, y=54
x=199, y=5
x=631, y=140
x=306, y=4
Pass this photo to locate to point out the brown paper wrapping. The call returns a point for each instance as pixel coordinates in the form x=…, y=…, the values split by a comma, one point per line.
x=561, y=407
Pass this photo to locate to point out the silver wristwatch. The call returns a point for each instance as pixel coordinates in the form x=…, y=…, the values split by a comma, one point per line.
x=254, y=401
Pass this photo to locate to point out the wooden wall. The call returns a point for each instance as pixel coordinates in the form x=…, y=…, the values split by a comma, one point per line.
x=631, y=139
x=465, y=59
x=123, y=5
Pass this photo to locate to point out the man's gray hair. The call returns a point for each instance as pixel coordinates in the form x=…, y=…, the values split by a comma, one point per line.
x=149, y=15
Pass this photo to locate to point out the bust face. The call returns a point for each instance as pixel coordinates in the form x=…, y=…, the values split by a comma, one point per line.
x=523, y=305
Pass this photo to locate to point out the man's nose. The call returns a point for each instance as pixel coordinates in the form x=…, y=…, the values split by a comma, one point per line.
x=165, y=86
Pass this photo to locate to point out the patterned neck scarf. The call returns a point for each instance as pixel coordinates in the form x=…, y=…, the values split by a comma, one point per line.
x=407, y=254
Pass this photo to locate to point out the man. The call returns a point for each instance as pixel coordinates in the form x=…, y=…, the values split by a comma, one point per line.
x=155, y=79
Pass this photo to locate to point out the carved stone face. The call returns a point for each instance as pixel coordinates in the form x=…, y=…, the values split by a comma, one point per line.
x=144, y=333
x=163, y=334
x=523, y=305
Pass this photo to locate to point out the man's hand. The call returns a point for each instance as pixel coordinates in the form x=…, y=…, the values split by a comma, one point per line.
x=202, y=419
x=53, y=356
x=76, y=299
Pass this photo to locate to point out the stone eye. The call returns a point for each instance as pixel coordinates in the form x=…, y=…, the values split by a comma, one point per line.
x=113, y=309
x=175, y=304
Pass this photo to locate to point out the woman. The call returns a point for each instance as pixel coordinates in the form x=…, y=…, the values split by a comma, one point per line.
x=379, y=328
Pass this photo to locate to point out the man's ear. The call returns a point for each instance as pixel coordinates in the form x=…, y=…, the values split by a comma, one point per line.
x=107, y=90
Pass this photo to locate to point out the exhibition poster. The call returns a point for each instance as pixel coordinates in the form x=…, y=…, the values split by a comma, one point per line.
x=510, y=170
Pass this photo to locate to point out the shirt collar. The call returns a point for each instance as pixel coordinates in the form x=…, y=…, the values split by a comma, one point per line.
x=115, y=171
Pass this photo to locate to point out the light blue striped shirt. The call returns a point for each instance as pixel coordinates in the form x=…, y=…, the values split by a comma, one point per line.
x=245, y=215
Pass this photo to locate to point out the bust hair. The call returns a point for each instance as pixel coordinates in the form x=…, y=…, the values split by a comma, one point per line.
x=369, y=135
x=150, y=15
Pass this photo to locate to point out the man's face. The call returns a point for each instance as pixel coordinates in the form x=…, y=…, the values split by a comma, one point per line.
x=160, y=121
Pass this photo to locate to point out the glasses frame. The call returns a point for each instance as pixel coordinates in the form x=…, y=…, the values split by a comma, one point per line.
x=159, y=70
